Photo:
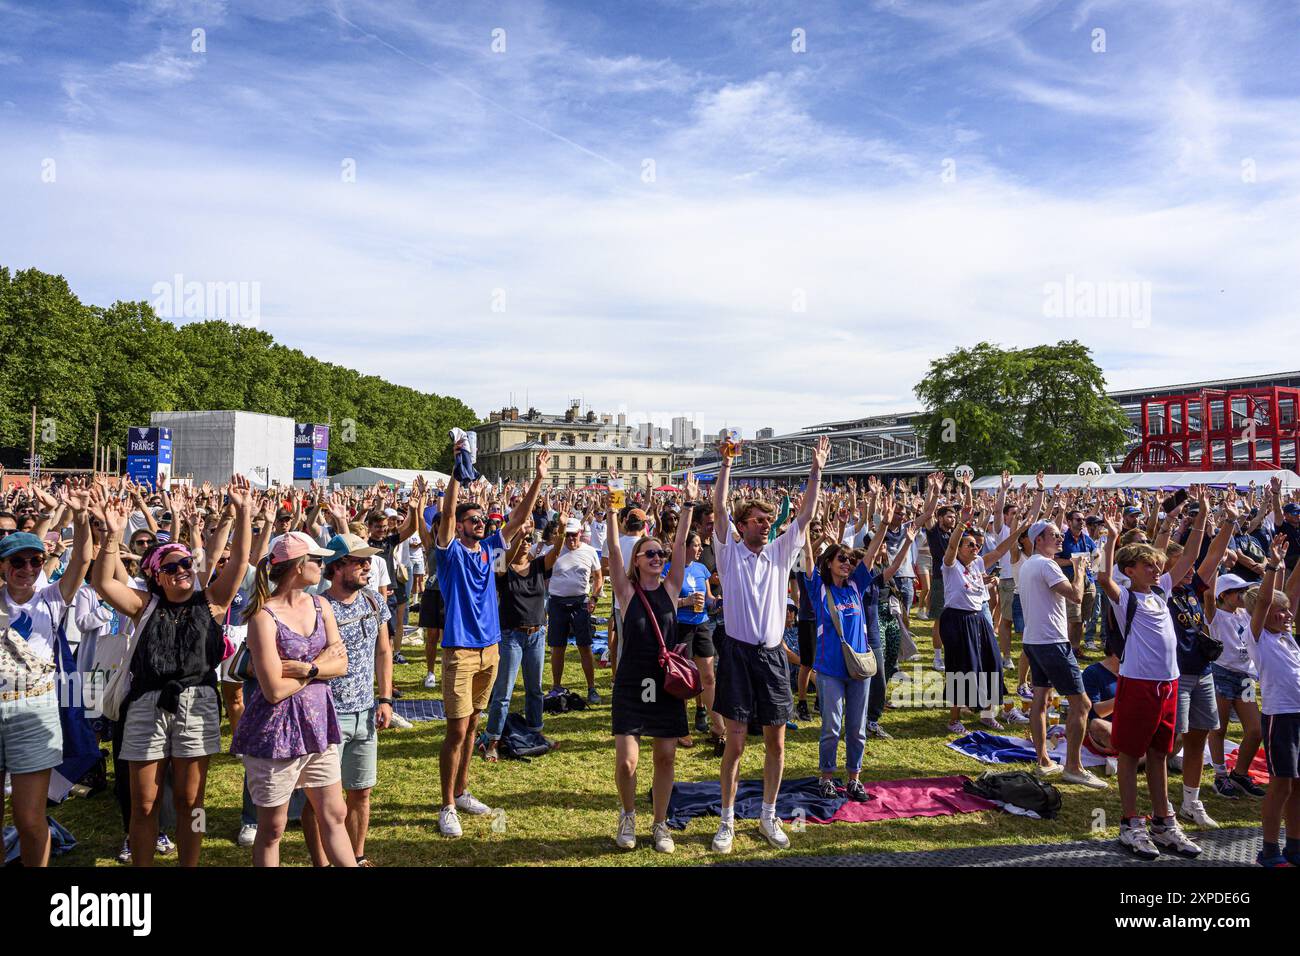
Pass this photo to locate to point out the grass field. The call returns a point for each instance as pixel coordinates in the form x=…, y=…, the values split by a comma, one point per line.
x=561, y=809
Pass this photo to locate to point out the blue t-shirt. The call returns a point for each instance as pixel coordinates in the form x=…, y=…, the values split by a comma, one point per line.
x=849, y=600
x=695, y=581
x=1099, y=684
x=1080, y=545
x=469, y=592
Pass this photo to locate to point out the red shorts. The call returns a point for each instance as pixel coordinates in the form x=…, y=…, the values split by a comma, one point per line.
x=1144, y=716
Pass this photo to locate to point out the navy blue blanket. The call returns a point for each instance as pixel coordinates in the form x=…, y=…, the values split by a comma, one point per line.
x=418, y=711
x=796, y=798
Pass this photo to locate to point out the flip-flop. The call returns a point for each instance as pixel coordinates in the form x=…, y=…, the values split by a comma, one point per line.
x=686, y=742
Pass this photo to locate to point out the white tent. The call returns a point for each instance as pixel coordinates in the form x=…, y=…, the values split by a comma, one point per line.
x=401, y=477
x=1155, y=480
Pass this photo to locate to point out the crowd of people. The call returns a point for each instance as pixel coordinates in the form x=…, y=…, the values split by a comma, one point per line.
x=287, y=609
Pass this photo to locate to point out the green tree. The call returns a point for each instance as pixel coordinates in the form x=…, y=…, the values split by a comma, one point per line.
x=1019, y=409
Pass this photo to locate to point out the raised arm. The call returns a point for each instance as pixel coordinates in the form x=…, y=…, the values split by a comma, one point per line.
x=521, y=512
x=677, y=572
x=1105, y=576
x=78, y=502
x=223, y=590
x=125, y=599
x=904, y=552
x=1192, y=548
x=621, y=586
x=1208, y=569
x=1264, y=601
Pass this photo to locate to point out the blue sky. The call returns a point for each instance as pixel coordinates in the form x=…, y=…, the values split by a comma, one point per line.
x=818, y=227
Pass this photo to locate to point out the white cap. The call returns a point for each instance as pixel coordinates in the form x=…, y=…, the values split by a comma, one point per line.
x=573, y=526
x=1037, y=528
x=1230, y=582
x=391, y=513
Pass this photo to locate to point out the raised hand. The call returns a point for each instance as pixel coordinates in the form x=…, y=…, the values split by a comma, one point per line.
x=241, y=495
x=821, y=452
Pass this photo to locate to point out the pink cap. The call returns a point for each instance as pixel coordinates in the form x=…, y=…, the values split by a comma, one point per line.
x=294, y=545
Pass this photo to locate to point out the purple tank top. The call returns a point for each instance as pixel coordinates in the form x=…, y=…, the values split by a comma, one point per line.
x=302, y=724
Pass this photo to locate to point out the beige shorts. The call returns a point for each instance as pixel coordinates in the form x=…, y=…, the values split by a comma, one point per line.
x=151, y=733
x=468, y=674
x=272, y=782
x=1006, y=599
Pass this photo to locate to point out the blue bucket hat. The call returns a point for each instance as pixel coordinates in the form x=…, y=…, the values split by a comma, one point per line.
x=11, y=544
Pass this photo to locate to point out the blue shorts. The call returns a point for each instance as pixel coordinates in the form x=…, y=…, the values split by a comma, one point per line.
x=1282, y=745
x=1054, y=665
x=1233, y=685
x=568, y=617
x=31, y=737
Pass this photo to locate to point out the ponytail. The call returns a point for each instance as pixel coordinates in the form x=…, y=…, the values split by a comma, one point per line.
x=262, y=589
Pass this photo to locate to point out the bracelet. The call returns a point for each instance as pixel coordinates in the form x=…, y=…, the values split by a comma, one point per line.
x=384, y=700
x=1273, y=567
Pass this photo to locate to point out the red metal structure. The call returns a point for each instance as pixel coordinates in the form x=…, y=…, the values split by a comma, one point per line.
x=1197, y=431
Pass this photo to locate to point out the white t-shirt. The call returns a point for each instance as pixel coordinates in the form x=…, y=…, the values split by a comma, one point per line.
x=755, y=587
x=573, y=571
x=1044, y=609
x=1151, y=644
x=1278, y=660
x=1233, y=628
x=1005, y=573
x=963, y=586
x=37, y=620
x=597, y=529
x=626, y=543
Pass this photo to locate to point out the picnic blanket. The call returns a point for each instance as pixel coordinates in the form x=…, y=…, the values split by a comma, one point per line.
x=995, y=748
x=599, y=643
x=61, y=841
x=798, y=798
x=1258, y=769
x=418, y=711
x=897, y=799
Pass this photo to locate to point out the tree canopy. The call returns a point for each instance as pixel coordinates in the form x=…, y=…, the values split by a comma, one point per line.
x=72, y=360
x=1020, y=409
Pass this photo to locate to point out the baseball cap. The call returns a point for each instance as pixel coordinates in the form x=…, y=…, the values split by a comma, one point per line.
x=1229, y=582
x=638, y=514
x=1094, y=519
x=1132, y=510
x=296, y=544
x=1291, y=508
x=573, y=526
x=495, y=516
x=391, y=513
x=348, y=545
x=1037, y=528
x=11, y=544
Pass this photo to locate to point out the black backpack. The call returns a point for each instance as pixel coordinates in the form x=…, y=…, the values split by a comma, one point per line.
x=1117, y=640
x=563, y=703
x=1018, y=788
x=518, y=742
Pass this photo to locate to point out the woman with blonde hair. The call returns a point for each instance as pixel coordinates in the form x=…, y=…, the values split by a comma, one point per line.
x=289, y=735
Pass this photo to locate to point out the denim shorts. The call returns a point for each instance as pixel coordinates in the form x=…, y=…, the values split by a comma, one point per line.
x=359, y=750
x=151, y=733
x=1197, y=709
x=1233, y=685
x=1054, y=665
x=31, y=737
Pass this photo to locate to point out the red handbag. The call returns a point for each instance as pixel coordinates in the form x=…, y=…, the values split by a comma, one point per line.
x=681, y=676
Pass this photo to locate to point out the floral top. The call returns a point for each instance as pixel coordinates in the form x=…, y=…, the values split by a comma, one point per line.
x=304, y=723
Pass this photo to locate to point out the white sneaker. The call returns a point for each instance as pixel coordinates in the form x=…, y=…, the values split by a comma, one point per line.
x=625, y=839
x=247, y=834
x=471, y=804
x=773, y=833
x=938, y=661
x=1174, y=838
x=722, y=839
x=430, y=682
x=400, y=722
x=1138, y=840
x=449, y=822
x=663, y=840
x=1194, y=812
x=1017, y=716
x=1086, y=778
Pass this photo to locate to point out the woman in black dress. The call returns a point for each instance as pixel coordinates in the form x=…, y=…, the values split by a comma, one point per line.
x=641, y=706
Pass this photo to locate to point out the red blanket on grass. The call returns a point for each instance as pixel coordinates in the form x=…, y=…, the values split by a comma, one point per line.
x=895, y=799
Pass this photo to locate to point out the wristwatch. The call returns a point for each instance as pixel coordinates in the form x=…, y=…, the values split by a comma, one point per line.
x=384, y=700
x=311, y=674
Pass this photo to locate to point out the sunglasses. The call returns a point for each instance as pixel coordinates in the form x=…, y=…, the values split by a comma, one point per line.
x=356, y=562
x=316, y=559
x=846, y=558
x=33, y=562
x=475, y=519
x=654, y=554
x=5, y=532
x=171, y=567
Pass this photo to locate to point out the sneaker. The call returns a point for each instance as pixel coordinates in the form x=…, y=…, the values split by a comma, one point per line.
x=956, y=727
x=1025, y=692
x=1194, y=812
x=773, y=833
x=1086, y=778
x=400, y=658
x=1051, y=770
x=1138, y=840
x=875, y=730
x=1017, y=716
x=449, y=822
x=938, y=661
x=626, y=837
x=247, y=834
x=662, y=838
x=1248, y=785
x=124, y=855
x=164, y=846
x=701, y=721
x=430, y=682
x=556, y=692
x=470, y=804
x=1279, y=862
x=400, y=722
x=857, y=792
x=1176, y=763
x=719, y=746
x=397, y=694
x=791, y=725
x=801, y=710
x=992, y=723
x=1174, y=838
x=592, y=696
x=722, y=839
x=827, y=789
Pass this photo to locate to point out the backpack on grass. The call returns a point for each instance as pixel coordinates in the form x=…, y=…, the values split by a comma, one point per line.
x=1018, y=788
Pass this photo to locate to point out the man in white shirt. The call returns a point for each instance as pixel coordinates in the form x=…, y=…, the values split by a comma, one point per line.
x=752, y=683
x=575, y=580
x=1044, y=591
